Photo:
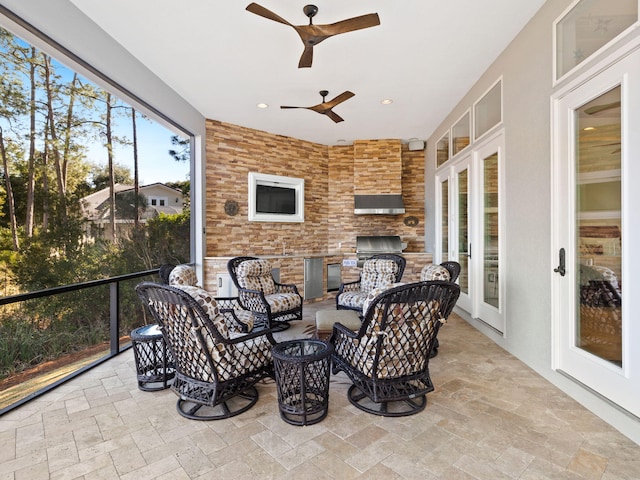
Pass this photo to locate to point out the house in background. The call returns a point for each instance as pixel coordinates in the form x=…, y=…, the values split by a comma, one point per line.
x=155, y=199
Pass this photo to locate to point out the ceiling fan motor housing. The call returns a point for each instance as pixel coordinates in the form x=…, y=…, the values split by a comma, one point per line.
x=310, y=11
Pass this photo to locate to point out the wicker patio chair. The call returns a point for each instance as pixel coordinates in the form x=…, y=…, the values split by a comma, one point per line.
x=216, y=368
x=448, y=271
x=387, y=360
x=379, y=271
x=273, y=304
x=239, y=320
x=445, y=271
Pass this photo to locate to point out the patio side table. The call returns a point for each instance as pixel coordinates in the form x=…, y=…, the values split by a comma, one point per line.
x=154, y=363
x=302, y=370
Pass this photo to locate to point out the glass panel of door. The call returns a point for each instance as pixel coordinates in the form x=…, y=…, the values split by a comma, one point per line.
x=444, y=224
x=463, y=229
x=598, y=227
x=491, y=224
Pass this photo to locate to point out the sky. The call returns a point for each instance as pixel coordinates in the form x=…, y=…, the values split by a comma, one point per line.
x=154, y=162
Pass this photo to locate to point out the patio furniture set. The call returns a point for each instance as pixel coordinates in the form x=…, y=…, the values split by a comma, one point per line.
x=213, y=351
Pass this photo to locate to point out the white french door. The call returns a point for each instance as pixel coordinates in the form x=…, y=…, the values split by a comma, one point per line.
x=470, y=191
x=595, y=200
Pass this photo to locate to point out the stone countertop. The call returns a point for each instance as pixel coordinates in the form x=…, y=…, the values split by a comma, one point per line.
x=287, y=255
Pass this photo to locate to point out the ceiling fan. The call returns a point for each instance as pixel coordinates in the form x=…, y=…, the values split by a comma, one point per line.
x=313, y=34
x=601, y=108
x=325, y=108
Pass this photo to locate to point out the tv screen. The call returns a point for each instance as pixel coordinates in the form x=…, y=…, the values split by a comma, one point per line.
x=270, y=199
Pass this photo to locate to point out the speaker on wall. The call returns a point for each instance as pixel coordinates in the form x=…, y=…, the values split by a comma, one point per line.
x=416, y=145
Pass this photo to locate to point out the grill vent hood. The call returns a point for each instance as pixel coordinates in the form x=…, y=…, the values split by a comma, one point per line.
x=377, y=177
x=378, y=205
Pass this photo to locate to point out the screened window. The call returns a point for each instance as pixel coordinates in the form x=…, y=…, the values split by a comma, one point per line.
x=79, y=166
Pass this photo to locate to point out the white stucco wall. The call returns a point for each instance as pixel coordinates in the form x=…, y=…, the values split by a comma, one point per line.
x=526, y=68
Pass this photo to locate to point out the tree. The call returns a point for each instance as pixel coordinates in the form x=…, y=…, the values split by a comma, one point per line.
x=99, y=176
x=183, y=151
x=9, y=189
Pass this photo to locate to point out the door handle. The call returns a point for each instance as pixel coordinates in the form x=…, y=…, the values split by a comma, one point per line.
x=561, y=267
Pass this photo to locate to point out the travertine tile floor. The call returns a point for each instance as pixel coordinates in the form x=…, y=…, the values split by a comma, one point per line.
x=490, y=418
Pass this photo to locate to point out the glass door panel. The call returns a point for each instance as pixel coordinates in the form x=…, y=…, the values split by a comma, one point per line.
x=444, y=222
x=598, y=200
x=491, y=225
x=463, y=229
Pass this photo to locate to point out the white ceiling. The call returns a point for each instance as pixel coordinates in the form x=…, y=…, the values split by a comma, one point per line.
x=424, y=55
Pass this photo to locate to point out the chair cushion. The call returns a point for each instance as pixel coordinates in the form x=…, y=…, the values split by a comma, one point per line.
x=377, y=272
x=256, y=275
x=374, y=293
x=434, y=272
x=282, y=302
x=209, y=305
x=352, y=299
x=183, y=275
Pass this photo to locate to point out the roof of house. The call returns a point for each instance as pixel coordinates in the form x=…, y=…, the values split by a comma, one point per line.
x=94, y=205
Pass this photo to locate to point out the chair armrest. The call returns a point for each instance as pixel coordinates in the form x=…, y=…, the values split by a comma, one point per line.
x=349, y=287
x=233, y=322
x=267, y=333
x=228, y=303
x=253, y=300
x=341, y=330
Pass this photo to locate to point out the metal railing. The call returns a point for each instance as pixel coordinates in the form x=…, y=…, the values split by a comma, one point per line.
x=114, y=324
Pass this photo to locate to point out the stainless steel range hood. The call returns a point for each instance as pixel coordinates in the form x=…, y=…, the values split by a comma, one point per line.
x=378, y=205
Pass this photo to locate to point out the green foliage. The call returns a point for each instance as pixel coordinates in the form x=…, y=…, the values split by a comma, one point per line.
x=24, y=343
x=100, y=176
x=164, y=239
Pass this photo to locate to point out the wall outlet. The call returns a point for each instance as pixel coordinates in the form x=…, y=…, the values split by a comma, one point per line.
x=349, y=263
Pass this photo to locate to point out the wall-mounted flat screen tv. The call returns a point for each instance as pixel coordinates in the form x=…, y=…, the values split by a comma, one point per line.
x=272, y=199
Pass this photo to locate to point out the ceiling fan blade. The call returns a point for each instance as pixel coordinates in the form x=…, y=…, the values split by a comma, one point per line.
x=307, y=57
x=334, y=116
x=344, y=96
x=351, y=24
x=266, y=13
x=286, y=106
x=601, y=108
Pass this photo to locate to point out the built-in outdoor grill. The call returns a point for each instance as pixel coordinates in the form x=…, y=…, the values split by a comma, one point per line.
x=367, y=246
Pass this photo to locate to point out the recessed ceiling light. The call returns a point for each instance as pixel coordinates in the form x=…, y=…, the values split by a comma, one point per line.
x=341, y=140
x=386, y=101
x=262, y=105
x=587, y=129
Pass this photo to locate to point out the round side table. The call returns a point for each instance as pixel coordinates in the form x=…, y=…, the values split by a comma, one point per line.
x=154, y=363
x=302, y=370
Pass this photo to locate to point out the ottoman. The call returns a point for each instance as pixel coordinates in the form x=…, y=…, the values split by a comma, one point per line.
x=326, y=318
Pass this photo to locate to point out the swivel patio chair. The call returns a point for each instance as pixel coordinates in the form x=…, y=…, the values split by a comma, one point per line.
x=387, y=359
x=447, y=271
x=379, y=271
x=273, y=304
x=216, y=369
x=239, y=320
